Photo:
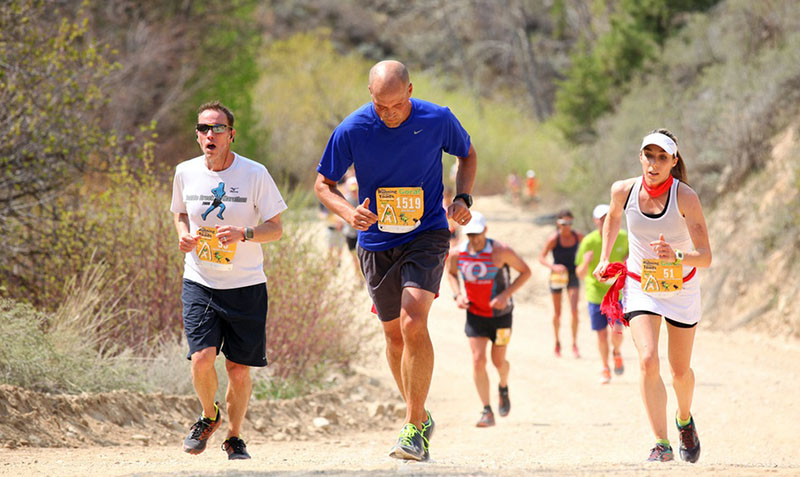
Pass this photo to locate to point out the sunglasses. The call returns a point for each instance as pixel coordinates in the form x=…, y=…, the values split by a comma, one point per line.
x=564, y=222
x=216, y=128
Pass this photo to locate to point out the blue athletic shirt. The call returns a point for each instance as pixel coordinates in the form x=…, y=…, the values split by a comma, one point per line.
x=409, y=155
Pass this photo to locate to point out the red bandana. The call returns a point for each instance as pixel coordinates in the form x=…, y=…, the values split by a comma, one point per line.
x=657, y=190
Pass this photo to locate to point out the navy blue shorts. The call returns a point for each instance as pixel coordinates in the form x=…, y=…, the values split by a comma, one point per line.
x=233, y=321
x=599, y=320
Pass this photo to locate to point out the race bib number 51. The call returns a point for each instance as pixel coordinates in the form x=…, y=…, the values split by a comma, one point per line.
x=212, y=253
x=399, y=209
x=660, y=277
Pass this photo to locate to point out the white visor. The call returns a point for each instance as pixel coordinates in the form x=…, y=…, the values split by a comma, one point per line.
x=475, y=226
x=661, y=140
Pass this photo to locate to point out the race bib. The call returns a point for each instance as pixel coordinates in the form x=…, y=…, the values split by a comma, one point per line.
x=213, y=254
x=661, y=277
x=503, y=336
x=399, y=209
x=559, y=280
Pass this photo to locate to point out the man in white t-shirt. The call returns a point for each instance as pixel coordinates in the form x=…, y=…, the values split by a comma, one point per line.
x=225, y=206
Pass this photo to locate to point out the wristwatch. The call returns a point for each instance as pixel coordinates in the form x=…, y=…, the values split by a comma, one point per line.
x=678, y=256
x=248, y=234
x=466, y=198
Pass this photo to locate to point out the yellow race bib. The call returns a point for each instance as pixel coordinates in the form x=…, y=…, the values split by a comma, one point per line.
x=213, y=254
x=400, y=209
x=503, y=336
x=661, y=277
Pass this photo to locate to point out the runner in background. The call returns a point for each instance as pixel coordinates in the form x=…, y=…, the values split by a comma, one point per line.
x=483, y=264
x=514, y=186
x=563, y=244
x=350, y=234
x=668, y=240
x=586, y=259
x=334, y=236
x=531, y=186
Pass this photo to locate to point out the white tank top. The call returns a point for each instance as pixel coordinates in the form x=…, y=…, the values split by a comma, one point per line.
x=643, y=229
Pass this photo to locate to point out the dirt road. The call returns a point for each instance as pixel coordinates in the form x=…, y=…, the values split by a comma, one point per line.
x=562, y=421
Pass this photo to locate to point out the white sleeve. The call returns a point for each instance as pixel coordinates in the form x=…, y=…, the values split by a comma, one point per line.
x=269, y=201
x=178, y=204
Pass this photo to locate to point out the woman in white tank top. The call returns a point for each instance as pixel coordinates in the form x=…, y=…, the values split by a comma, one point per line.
x=667, y=239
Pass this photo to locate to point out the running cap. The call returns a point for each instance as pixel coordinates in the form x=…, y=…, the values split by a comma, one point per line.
x=600, y=211
x=530, y=173
x=661, y=140
x=477, y=225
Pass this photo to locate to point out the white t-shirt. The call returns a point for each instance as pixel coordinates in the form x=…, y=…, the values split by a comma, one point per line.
x=244, y=195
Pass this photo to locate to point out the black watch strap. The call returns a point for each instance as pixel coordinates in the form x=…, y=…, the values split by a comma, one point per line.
x=466, y=198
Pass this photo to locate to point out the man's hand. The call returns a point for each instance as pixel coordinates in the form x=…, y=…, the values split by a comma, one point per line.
x=459, y=212
x=187, y=242
x=500, y=301
x=558, y=268
x=362, y=218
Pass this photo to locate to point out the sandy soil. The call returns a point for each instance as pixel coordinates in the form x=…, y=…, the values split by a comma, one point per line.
x=562, y=422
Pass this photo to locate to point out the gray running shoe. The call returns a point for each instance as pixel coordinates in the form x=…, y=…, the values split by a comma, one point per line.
x=235, y=448
x=690, y=443
x=411, y=445
x=487, y=418
x=201, y=430
x=505, y=402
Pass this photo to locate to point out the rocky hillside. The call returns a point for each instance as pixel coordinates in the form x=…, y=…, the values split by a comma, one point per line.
x=752, y=280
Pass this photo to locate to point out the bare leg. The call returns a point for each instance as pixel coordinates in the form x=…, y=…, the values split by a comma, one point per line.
x=602, y=345
x=500, y=362
x=204, y=379
x=417, y=363
x=573, y=306
x=645, y=330
x=681, y=341
x=556, y=315
x=394, y=351
x=238, y=395
x=616, y=338
x=479, y=374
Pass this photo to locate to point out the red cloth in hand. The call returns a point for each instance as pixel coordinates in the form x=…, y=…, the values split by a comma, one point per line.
x=611, y=306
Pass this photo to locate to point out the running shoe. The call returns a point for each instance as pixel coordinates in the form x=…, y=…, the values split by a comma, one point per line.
x=558, y=350
x=605, y=376
x=690, y=443
x=661, y=453
x=487, y=418
x=619, y=366
x=505, y=402
x=201, y=430
x=411, y=445
x=575, y=351
x=235, y=448
x=428, y=426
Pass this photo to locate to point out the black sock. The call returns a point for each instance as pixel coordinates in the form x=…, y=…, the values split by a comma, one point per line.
x=487, y=408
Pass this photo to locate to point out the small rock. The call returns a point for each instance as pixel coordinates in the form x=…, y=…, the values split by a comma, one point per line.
x=280, y=436
x=321, y=422
x=375, y=409
x=144, y=440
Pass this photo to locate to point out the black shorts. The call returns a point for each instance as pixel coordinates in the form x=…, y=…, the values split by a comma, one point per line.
x=415, y=264
x=233, y=321
x=677, y=324
x=351, y=242
x=483, y=327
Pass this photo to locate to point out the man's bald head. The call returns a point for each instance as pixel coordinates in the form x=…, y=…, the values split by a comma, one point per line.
x=390, y=89
x=388, y=74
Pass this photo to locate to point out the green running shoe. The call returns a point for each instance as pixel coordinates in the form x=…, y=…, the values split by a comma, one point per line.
x=411, y=445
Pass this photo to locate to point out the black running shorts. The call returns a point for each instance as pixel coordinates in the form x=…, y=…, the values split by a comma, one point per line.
x=483, y=327
x=233, y=321
x=415, y=264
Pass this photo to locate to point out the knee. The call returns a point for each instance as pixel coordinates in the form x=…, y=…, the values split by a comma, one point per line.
x=479, y=361
x=238, y=374
x=682, y=374
x=394, y=341
x=649, y=365
x=204, y=359
x=413, y=327
x=499, y=362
